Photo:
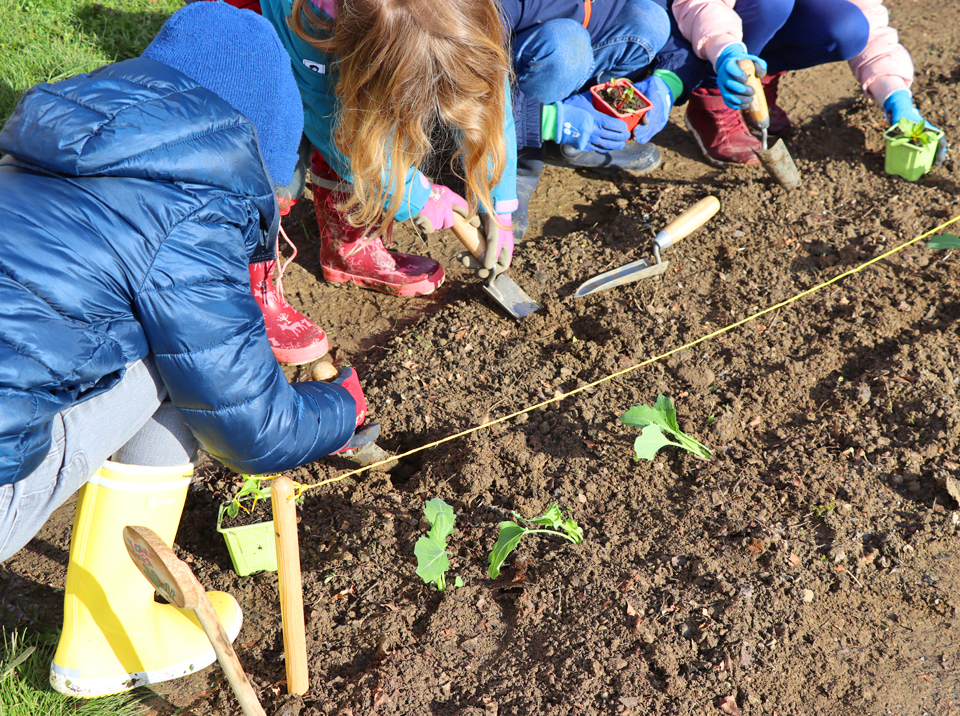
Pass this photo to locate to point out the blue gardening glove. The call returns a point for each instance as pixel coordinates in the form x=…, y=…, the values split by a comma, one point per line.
x=899, y=105
x=581, y=125
x=657, y=91
x=730, y=78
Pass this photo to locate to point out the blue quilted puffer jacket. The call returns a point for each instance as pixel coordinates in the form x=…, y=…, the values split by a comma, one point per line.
x=132, y=201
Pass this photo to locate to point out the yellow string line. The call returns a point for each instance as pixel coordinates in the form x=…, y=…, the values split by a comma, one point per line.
x=300, y=489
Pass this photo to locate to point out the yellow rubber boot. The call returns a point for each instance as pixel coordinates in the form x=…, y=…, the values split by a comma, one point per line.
x=115, y=635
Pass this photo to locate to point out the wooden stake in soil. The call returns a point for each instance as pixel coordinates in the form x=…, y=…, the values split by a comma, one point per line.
x=291, y=588
x=178, y=585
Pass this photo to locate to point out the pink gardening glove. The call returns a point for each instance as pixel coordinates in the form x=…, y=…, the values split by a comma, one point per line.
x=438, y=212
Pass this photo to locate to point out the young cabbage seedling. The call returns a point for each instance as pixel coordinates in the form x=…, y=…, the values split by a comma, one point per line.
x=656, y=420
x=511, y=533
x=916, y=133
x=251, y=486
x=431, y=549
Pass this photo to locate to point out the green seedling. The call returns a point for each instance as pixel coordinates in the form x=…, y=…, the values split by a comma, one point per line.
x=431, y=549
x=943, y=241
x=654, y=421
x=251, y=486
x=916, y=133
x=552, y=523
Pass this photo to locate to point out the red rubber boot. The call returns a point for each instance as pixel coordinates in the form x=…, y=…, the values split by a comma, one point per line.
x=780, y=124
x=350, y=254
x=294, y=338
x=719, y=130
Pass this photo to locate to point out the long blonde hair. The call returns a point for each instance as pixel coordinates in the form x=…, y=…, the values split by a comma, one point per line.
x=408, y=68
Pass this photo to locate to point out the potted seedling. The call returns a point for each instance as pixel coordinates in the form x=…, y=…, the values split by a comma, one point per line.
x=619, y=98
x=910, y=148
x=249, y=532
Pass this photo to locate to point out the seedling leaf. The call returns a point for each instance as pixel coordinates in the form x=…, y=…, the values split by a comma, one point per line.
x=511, y=533
x=944, y=241
x=654, y=421
x=431, y=548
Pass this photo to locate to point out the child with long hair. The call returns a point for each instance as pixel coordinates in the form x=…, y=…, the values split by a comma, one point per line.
x=779, y=36
x=381, y=82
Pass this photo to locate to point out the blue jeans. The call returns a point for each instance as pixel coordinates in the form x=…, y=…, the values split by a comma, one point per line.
x=131, y=419
x=557, y=59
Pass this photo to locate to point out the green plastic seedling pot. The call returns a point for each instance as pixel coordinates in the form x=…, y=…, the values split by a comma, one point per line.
x=908, y=160
x=631, y=118
x=252, y=548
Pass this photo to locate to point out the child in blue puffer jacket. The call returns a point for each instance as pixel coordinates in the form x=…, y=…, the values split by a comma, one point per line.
x=134, y=198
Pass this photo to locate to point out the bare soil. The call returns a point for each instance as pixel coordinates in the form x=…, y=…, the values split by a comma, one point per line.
x=810, y=567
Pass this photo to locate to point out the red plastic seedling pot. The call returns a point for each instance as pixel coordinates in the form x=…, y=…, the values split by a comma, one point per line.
x=632, y=117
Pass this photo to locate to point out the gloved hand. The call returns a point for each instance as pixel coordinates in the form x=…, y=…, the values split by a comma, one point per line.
x=499, y=253
x=657, y=91
x=438, y=212
x=581, y=125
x=899, y=105
x=730, y=78
x=347, y=378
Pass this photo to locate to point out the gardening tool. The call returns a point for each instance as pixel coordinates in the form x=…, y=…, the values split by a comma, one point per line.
x=501, y=288
x=291, y=588
x=776, y=160
x=688, y=222
x=178, y=585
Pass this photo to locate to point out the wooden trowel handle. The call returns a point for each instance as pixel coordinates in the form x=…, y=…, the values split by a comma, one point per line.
x=688, y=222
x=469, y=235
x=757, y=113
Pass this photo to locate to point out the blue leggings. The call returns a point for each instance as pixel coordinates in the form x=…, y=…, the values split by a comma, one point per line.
x=788, y=34
x=796, y=34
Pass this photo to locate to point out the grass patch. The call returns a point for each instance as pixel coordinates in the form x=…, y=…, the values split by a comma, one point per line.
x=50, y=40
x=25, y=688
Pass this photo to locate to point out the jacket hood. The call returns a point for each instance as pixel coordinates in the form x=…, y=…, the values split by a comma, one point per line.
x=140, y=119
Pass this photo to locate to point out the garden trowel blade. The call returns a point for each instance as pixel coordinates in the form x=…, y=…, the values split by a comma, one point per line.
x=510, y=296
x=628, y=273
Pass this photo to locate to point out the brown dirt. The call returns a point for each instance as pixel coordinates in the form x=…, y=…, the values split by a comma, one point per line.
x=810, y=567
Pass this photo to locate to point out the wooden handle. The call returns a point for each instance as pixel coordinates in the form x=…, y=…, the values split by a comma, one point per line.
x=757, y=113
x=688, y=222
x=178, y=585
x=291, y=588
x=469, y=235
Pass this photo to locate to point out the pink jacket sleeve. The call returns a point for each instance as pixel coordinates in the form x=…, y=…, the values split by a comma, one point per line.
x=882, y=68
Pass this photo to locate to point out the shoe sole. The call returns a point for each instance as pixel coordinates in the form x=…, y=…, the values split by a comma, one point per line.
x=301, y=356
x=712, y=160
x=424, y=287
x=602, y=170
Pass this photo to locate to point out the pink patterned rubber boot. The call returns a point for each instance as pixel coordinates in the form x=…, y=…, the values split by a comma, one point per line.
x=719, y=130
x=352, y=254
x=294, y=338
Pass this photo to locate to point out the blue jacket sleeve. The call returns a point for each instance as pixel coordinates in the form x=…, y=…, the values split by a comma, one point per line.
x=208, y=337
x=316, y=75
x=504, y=194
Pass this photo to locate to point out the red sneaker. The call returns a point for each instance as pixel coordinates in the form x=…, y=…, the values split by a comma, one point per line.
x=357, y=254
x=780, y=124
x=720, y=131
x=294, y=338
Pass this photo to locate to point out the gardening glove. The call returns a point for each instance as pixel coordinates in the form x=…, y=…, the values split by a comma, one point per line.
x=499, y=253
x=899, y=105
x=582, y=126
x=730, y=78
x=347, y=378
x=438, y=212
x=657, y=91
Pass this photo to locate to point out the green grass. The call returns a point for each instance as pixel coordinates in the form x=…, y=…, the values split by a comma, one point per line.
x=50, y=40
x=25, y=689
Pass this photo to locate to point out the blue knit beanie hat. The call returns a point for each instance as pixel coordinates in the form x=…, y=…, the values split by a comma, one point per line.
x=237, y=55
